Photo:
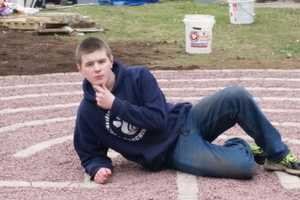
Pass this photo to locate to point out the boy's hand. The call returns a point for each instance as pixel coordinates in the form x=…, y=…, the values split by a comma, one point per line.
x=104, y=97
x=102, y=175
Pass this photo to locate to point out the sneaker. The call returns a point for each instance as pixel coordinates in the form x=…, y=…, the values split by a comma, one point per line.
x=258, y=153
x=288, y=164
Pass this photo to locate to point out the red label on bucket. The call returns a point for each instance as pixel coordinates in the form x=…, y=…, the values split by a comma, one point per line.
x=199, y=45
x=199, y=39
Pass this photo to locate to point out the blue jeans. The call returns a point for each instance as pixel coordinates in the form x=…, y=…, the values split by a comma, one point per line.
x=194, y=153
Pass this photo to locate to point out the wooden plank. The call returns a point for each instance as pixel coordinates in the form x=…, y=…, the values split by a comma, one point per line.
x=49, y=22
x=52, y=25
x=20, y=25
x=88, y=30
x=64, y=29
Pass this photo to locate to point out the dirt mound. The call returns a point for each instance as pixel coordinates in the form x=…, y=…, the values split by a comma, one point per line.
x=28, y=53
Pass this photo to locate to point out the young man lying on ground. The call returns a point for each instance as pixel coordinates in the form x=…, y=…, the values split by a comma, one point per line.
x=124, y=109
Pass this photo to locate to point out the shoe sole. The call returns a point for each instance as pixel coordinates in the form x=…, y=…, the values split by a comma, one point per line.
x=278, y=167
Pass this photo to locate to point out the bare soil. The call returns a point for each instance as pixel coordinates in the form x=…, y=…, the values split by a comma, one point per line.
x=26, y=53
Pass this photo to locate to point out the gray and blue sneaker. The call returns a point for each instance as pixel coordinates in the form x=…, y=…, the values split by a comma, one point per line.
x=289, y=164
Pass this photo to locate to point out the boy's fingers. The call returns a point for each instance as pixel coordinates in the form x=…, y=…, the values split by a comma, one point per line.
x=100, y=180
x=102, y=175
x=104, y=87
x=99, y=95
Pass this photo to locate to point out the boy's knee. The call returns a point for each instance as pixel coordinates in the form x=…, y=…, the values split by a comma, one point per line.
x=237, y=93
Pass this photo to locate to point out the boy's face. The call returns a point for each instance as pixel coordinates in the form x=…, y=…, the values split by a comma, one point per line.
x=96, y=67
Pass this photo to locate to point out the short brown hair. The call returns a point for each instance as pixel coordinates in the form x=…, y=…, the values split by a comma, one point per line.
x=90, y=45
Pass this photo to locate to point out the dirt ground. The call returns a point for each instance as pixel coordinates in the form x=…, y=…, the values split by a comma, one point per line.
x=25, y=53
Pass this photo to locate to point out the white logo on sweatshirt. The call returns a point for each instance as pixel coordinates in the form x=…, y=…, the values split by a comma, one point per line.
x=123, y=129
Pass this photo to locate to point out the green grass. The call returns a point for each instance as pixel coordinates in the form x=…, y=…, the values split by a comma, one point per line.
x=273, y=36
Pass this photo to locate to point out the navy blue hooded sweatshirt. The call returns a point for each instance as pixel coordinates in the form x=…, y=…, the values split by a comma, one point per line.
x=141, y=125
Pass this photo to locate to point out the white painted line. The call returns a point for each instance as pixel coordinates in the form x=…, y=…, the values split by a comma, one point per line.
x=36, y=148
x=229, y=79
x=86, y=179
x=161, y=80
x=113, y=154
x=34, y=123
x=228, y=70
x=291, y=141
x=47, y=184
x=187, y=186
x=259, y=99
x=40, y=85
x=277, y=98
x=248, y=138
x=286, y=124
x=281, y=110
x=16, y=126
x=41, y=146
x=15, y=184
x=288, y=181
x=226, y=137
x=155, y=72
x=213, y=71
x=40, y=95
x=36, y=108
x=55, y=106
x=277, y=89
x=55, y=75
x=168, y=97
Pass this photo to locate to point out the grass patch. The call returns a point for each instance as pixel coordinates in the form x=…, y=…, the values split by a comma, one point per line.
x=272, y=37
x=291, y=49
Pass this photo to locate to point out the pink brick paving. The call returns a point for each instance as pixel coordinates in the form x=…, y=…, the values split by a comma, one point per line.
x=23, y=123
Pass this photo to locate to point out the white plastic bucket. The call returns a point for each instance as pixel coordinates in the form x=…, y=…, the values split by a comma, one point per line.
x=241, y=11
x=198, y=33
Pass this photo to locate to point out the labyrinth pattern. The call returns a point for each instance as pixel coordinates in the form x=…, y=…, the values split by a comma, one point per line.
x=37, y=160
